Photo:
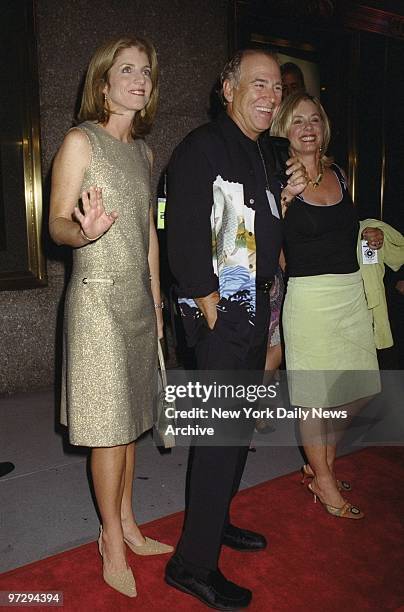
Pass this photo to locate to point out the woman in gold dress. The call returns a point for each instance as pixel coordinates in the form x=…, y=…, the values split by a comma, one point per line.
x=113, y=304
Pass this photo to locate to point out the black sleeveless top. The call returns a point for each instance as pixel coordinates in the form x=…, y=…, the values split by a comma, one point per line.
x=322, y=239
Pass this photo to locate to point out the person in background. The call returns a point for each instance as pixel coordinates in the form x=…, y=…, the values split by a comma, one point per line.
x=326, y=323
x=292, y=79
x=113, y=304
x=274, y=348
x=397, y=316
x=395, y=300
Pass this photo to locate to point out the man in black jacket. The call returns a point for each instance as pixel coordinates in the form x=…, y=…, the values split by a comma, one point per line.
x=221, y=182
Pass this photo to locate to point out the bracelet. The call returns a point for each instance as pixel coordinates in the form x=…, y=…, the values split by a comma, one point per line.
x=160, y=305
x=88, y=238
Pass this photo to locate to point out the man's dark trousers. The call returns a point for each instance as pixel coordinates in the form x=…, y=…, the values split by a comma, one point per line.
x=214, y=472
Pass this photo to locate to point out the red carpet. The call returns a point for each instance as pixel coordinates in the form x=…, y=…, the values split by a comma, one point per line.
x=315, y=562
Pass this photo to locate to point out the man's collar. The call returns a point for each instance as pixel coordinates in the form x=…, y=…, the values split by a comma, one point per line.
x=231, y=127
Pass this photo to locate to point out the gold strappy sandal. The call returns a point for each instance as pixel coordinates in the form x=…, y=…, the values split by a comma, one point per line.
x=343, y=485
x=346, y=511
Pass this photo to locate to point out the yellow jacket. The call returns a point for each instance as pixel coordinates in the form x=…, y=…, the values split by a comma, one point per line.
x=391, y=254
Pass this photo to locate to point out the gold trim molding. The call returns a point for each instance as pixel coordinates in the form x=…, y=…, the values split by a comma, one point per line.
x=32, y=272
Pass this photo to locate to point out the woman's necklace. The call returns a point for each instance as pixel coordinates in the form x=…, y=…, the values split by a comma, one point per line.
x=316, y=182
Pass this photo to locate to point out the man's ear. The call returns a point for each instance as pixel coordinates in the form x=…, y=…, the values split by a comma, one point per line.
x=228, y=87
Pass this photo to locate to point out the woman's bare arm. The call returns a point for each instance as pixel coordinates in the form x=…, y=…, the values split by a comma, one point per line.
x=67, y=225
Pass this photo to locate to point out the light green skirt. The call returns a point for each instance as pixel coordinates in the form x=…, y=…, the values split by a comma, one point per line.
x=329, y=346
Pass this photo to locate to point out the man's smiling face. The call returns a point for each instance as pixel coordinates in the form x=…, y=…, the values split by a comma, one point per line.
x=253, y=101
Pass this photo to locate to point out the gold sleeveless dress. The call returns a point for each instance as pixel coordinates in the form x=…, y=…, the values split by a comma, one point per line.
x=109, y=373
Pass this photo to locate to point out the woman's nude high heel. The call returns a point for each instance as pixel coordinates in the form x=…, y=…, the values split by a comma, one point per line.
x=347, y=510
x=122, y=581
x=150, y=547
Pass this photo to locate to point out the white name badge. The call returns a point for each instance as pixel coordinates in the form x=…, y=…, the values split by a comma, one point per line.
x=369, y=255
x=272, y=204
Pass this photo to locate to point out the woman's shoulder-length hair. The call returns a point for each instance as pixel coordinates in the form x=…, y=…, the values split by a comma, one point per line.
x=283, y=120
x=93, y=106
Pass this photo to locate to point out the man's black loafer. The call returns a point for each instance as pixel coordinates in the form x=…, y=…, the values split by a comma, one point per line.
x=243, y=539
x=214, y=590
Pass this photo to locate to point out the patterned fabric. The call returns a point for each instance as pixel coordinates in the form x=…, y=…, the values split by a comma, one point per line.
x=218, y=224
x=276, y=302
x=233, y=247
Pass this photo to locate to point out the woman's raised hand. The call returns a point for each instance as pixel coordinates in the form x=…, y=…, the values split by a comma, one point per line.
x=296, y=183
x=95, y=221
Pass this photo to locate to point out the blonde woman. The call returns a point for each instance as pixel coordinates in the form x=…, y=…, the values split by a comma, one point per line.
x=329, y=345
x=112, y=309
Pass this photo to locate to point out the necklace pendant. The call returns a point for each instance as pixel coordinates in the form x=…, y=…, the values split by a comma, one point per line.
x=316, y=182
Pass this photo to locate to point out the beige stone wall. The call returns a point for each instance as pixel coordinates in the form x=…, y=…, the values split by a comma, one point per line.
x=191, y=41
